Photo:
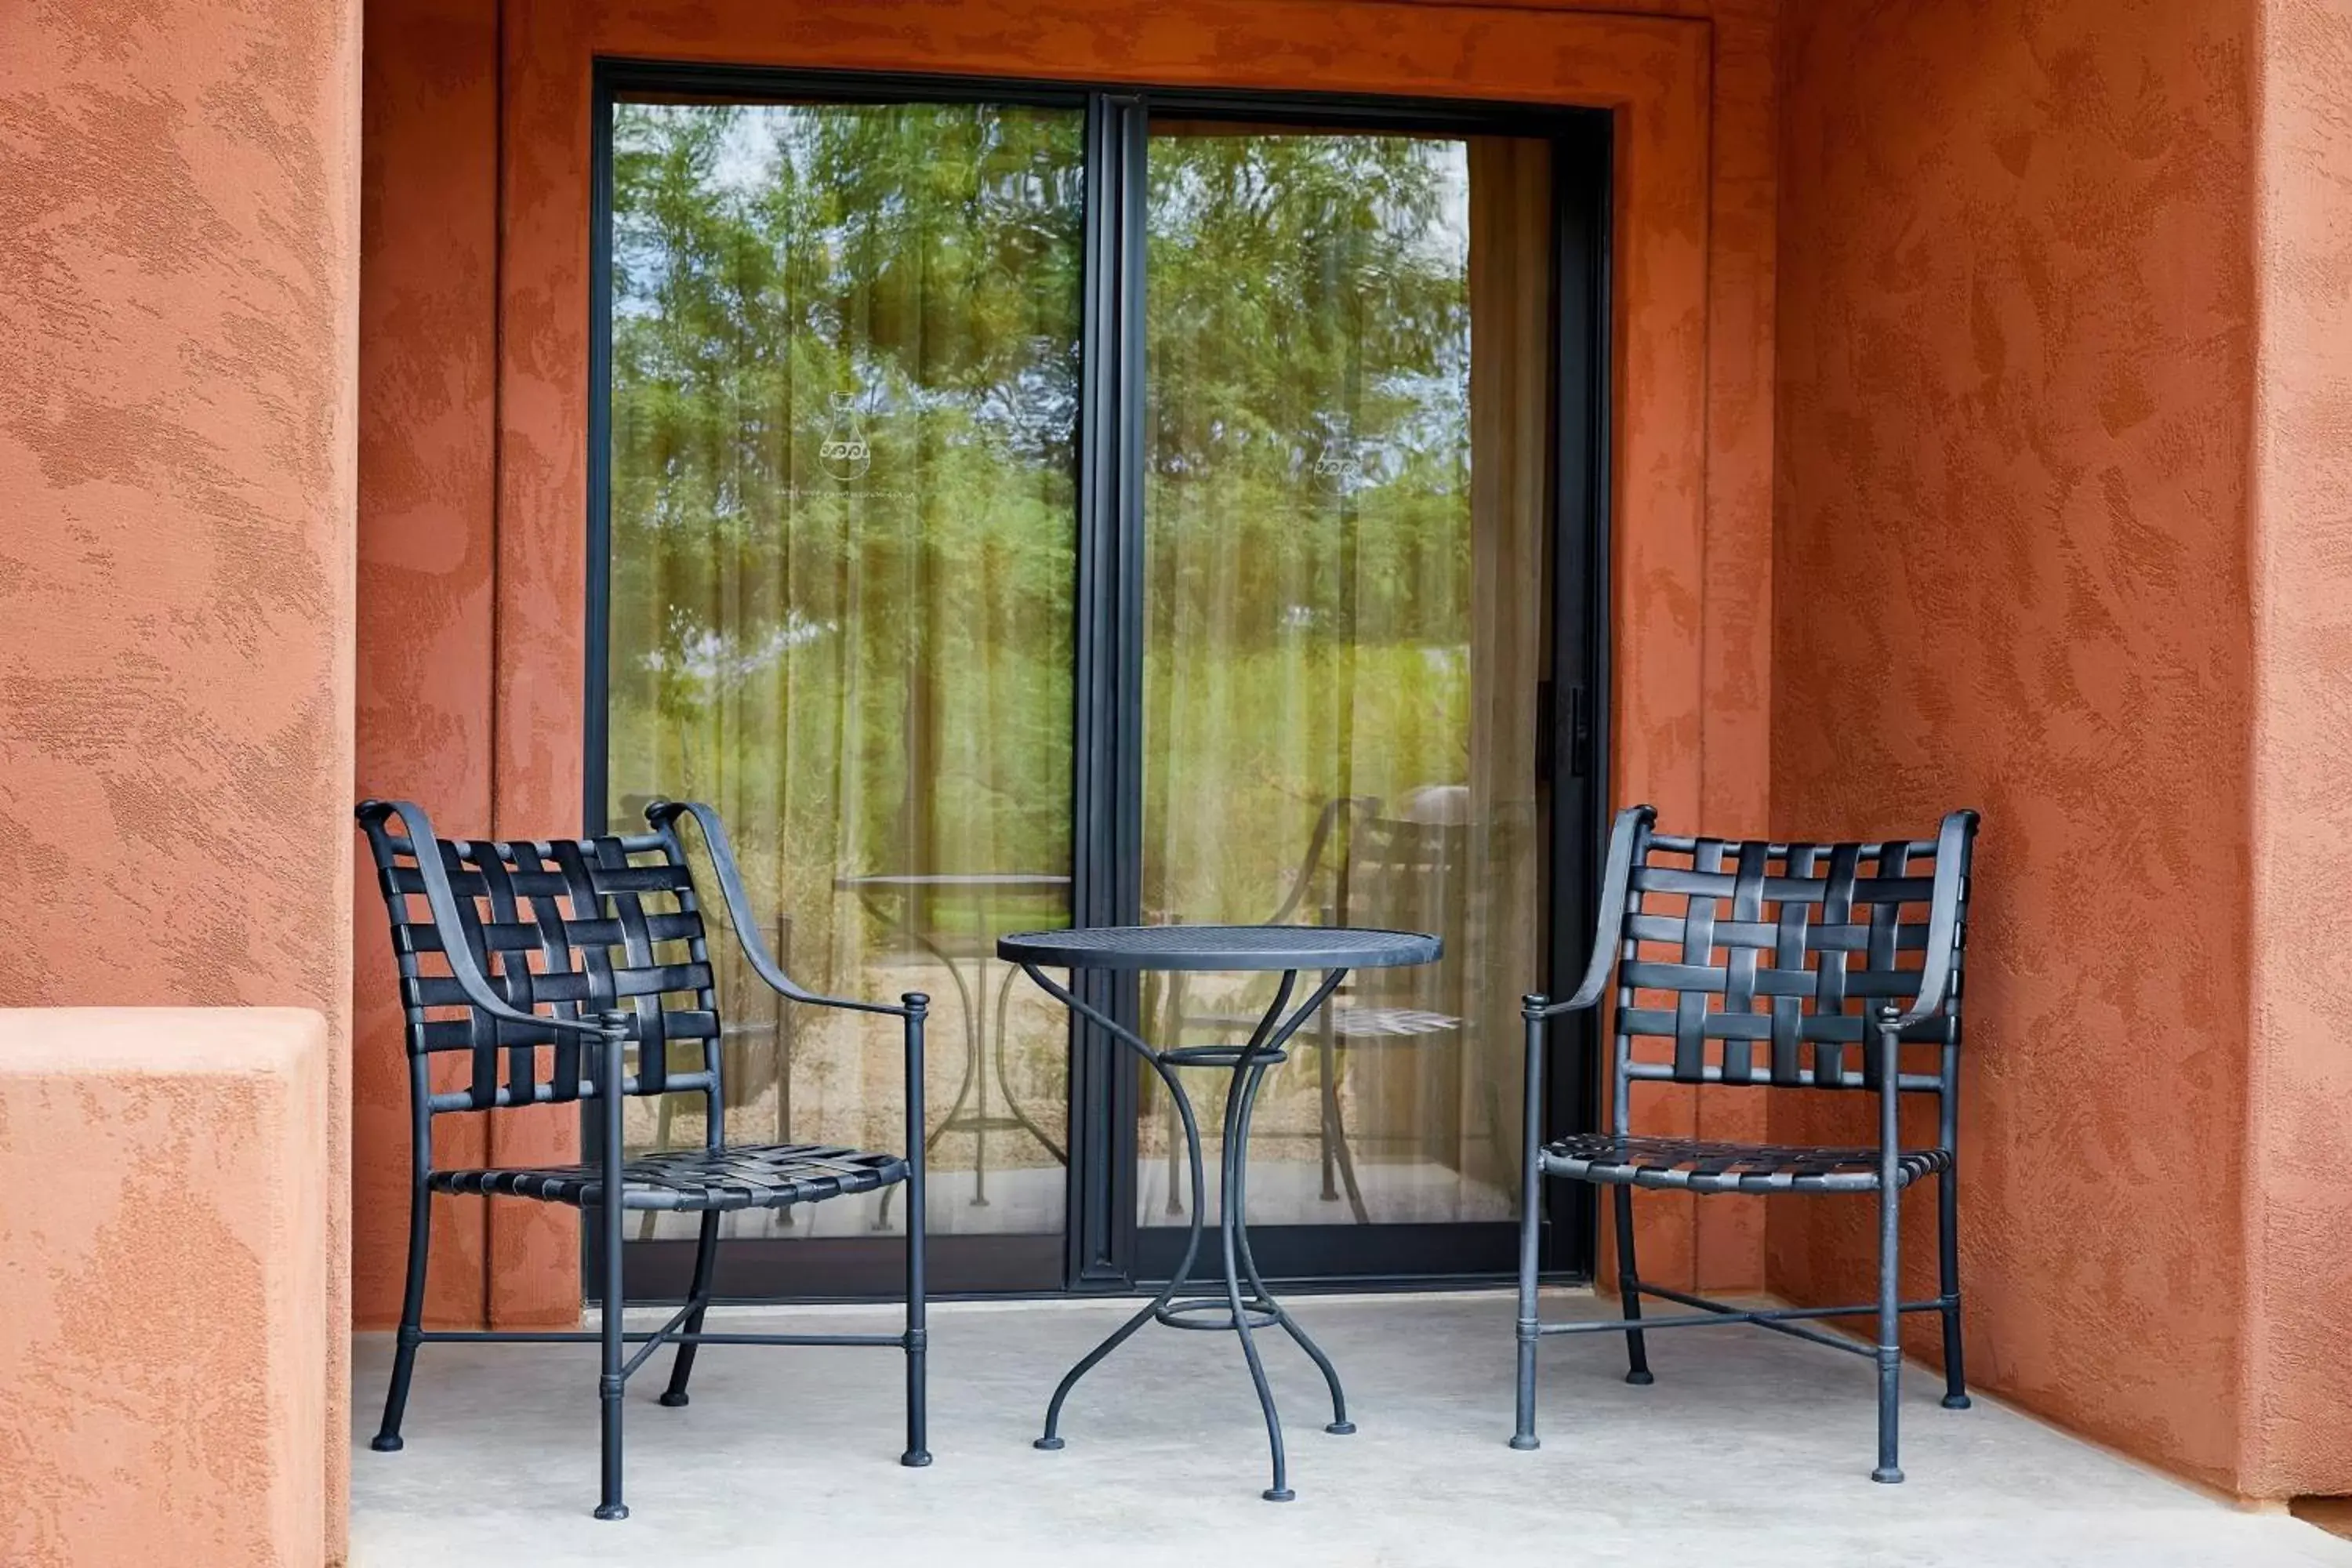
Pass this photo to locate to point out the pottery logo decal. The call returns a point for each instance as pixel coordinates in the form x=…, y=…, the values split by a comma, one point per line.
x=845, y=453
x=1338, y=467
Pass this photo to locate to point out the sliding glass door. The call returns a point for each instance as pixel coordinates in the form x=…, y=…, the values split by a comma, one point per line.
x=1347, y=445
x=1018, y=510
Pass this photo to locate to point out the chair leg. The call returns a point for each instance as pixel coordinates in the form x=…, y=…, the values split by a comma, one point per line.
x=1890, y=1334
x=611, y=1385
x=1889, y=1062
x=918, y=1452
x=612, y=1381
x=1629, y=1290
x=1948, y=1261
x=1529, y=1326
x=705, y=1253
x=387, y=1439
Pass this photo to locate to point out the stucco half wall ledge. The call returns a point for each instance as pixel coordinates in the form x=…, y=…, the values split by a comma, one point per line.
x=164, y=1185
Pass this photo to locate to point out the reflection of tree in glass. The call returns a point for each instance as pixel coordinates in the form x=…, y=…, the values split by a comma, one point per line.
x=1308, y=306
x=797, y=629
x=1309, y=503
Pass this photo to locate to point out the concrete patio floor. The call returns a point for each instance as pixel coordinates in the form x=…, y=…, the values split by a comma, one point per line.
x=1752, y=1449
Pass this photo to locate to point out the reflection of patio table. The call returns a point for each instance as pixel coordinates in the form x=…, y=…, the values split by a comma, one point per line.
x=915, y=893
x=1204, y=949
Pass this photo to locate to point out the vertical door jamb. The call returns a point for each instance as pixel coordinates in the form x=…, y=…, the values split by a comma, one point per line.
x=1579, y=716
x=1107, y=807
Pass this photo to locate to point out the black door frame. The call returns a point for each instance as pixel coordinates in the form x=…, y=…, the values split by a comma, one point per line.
x=1103, y=1248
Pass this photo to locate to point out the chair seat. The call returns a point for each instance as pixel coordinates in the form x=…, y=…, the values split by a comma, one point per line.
x=745, y=1176
x=1703, y=1167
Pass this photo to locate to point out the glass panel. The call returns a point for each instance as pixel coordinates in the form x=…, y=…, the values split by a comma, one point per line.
x=844, y=396
x=1348, y=349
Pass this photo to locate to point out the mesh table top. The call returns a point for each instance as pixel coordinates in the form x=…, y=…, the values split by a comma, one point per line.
x=1219, y=948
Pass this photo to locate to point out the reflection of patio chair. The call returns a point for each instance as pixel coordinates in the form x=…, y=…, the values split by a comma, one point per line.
x=607, y=935
x=1405, y=871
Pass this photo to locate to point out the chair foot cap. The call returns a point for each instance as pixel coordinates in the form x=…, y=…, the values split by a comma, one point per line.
x=1277, y=1494
x=1340, y=1428
x=1526, y=1445
x=386, y=1443
x=1958, y=1401
x=613, y=1511
x=1640, y=1379
x=915, y=1458
x=1048, y=1444
x=1887, y=1475
x=675, y=1398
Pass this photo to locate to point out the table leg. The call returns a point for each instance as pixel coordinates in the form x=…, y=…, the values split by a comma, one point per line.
x=1158, y=1305
x=1232, y=1196
x=1339, y=1423
x=1249, y=1065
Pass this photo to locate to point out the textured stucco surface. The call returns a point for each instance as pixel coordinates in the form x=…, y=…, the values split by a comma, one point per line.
x=164, y=1393
x=427, y=377
x=1693, y=86
x=178, y=266
x=2297, y=1421
x=2019, y=295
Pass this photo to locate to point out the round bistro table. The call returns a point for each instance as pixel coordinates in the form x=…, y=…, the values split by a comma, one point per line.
x=1245, y=1304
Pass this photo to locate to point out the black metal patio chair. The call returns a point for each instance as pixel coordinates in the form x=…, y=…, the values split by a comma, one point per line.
x=539, y=964
x=1773, y=966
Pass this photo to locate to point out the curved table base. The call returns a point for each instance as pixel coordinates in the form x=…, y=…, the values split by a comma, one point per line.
x=1246, y=1306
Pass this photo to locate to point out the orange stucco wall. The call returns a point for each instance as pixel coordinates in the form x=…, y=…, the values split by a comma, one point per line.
x=178, y=266
x=2297, y=1411
x=2061, y=507
x=427, y=376
x=1693, y=86
x=166, y=1393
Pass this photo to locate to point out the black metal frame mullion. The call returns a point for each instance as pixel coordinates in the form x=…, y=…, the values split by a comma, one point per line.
x=1581, y=718
x=1107, y=807
x=595, y=679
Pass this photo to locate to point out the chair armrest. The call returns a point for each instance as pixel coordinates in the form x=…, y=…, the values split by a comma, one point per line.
x=664, y=815
x=1953, y=845
x=1615, y=876
x=442, y=899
